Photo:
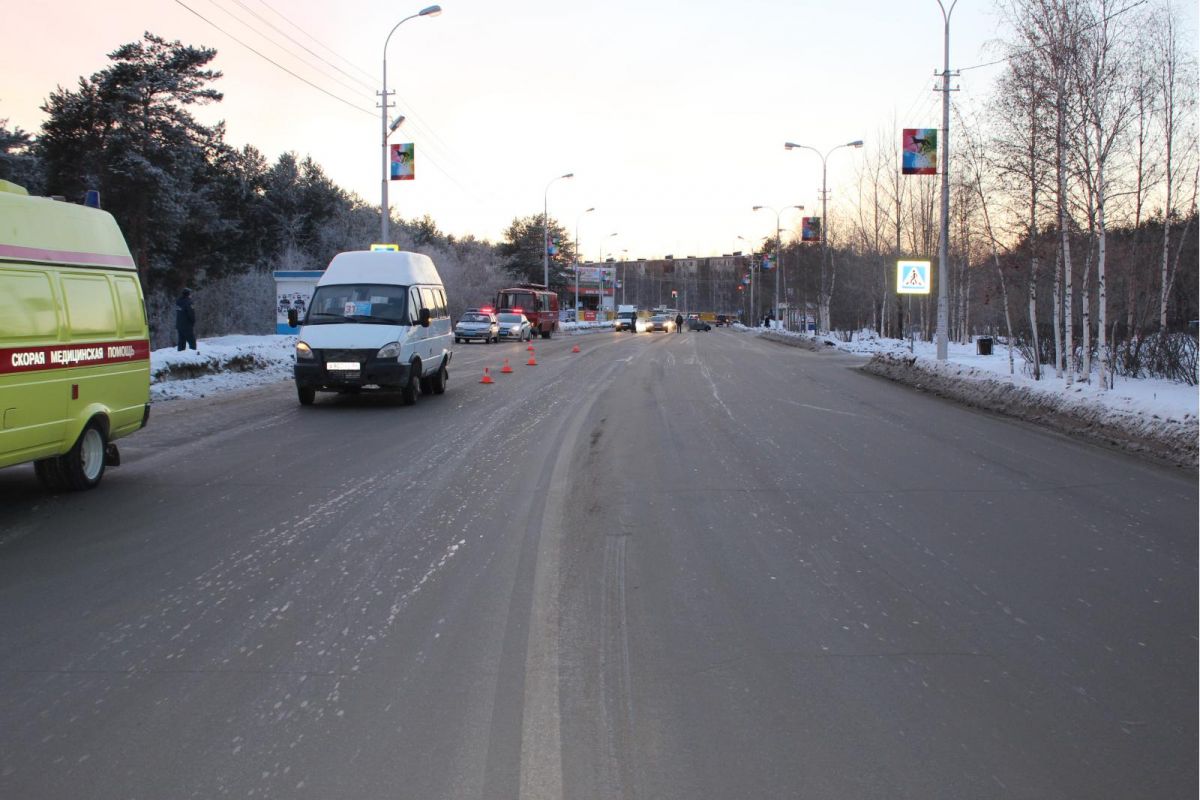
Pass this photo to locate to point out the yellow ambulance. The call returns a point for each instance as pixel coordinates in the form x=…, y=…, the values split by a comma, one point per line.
x=74, y=346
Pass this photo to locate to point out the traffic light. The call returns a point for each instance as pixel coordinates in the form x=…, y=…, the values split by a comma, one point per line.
x=674, y=294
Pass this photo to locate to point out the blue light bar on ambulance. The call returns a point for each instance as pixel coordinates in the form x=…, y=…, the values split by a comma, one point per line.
x=385, y=248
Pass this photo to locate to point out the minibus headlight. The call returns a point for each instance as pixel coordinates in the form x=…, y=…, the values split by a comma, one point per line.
x=389, y=351
x=303, y=352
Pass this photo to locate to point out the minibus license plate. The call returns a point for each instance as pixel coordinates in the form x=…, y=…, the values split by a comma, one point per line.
x=347, y=366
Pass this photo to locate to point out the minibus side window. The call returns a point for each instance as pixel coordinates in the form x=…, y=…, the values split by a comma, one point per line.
x=414, y=306
x=429, y=301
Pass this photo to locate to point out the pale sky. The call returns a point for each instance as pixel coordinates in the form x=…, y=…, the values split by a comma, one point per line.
x=671, y=114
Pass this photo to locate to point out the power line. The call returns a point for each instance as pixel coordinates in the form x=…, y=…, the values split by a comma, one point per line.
x=268, y=38
x=306, y=49
x=1036, y=47
x=274, y=62
x=314, y=39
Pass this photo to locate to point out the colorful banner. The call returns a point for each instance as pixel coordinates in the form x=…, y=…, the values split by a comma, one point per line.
x=920, y=151
x=810, y=229
x=403, y=162
x=912, y=277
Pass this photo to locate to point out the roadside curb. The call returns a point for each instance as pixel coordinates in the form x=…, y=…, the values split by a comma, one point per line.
x=1165, y=441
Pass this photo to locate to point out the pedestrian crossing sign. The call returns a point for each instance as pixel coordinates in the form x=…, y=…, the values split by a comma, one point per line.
x=912, y=277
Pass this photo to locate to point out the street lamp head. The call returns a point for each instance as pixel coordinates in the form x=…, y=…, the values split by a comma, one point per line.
x=396, y=123
x=569, y=175
x=590, y=209
x=756, y=208
x=798, y=208
x=791, y=145
x=431, y=11
x=856, y=143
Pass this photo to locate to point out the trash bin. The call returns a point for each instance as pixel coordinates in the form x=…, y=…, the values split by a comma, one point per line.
x=983, y=345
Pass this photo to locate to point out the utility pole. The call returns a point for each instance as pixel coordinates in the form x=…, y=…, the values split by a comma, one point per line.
x=942, y=334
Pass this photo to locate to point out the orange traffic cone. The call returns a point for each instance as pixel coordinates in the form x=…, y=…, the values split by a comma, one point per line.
x=532, y=362
x=487, y=378
x=575, y=349
x=506, y=368
x=530, y=348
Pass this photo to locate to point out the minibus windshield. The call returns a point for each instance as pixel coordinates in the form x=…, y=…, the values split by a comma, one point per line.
x=368, y=303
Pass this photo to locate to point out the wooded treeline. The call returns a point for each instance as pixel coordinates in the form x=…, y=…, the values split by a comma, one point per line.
x=1073, y=197
x=197, y=211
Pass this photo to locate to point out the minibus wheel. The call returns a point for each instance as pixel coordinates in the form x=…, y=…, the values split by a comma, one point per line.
x=410, y=390
x=83, y=465
x=439, y=380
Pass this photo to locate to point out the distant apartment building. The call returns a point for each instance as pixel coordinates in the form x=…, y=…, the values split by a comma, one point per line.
x=701, y=284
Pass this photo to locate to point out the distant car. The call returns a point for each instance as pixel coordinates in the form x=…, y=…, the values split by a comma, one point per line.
x=697, y=324
x=477, y=325
x=514, y=327
x=660, y=322
x=722, y=319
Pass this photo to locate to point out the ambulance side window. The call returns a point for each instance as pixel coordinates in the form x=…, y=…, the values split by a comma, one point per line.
x=27, y=308
x=133, y=314
x=90, y=308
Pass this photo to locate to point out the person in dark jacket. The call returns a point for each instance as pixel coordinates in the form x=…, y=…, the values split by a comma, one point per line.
x=185, y=321
x=679, y=323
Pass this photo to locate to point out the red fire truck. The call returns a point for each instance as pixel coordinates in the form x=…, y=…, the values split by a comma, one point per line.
x=533, y=300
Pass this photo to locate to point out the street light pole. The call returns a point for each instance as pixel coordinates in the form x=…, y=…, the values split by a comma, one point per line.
x=600, y=274
x=546, y=230
x=822, y=323
x=778, y=238
x=577, y=251
x=624, y=261
x=942, y=334
x=384, y=211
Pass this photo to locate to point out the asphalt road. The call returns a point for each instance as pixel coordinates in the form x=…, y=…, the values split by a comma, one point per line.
x=671, y=566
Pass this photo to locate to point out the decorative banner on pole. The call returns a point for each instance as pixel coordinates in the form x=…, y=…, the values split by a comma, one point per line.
x=920, y=151
x=810, y=229
x=402, y=162
x=912, y=277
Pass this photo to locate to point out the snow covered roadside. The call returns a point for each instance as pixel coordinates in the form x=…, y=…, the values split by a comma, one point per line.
x=220, y=365
x=1153, y=417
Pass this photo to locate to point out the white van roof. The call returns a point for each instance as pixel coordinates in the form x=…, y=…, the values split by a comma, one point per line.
x=389, y=267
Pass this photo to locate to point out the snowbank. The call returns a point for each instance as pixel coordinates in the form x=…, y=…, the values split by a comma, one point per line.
x=219, y=365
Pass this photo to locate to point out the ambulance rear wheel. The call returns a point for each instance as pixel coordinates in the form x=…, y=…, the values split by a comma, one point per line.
x=439, y=380
x=48, y=472
x=83, y=465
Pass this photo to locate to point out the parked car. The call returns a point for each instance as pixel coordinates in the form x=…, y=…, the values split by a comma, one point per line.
x=514, y=327
x=481, y=325
x=660, y=322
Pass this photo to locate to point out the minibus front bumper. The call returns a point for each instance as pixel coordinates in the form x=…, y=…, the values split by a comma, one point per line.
x=333, y=375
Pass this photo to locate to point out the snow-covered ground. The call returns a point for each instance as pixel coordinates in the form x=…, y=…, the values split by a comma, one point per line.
x=233, y=362
x=1149, y=396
